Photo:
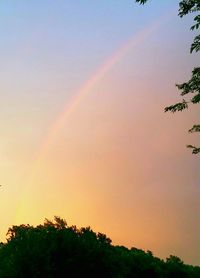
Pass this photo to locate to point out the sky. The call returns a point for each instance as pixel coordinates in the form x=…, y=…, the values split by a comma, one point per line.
x=83, y=133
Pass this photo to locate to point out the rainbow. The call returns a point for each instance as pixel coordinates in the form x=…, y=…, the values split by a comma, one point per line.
x=96, y=77
x=85, y=90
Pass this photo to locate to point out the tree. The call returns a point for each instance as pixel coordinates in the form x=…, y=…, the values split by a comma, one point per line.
x=190, y=88
x=55, y=250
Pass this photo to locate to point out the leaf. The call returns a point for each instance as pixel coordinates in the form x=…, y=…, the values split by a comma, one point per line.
x=196, y=99
x=195, y=46
x=195, y=149
x=177, y=107
x=141, y=1
x=195, y=128
x=197, y=24
x=193, y=85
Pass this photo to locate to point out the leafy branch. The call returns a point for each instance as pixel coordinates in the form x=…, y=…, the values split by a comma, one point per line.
x=193, y=85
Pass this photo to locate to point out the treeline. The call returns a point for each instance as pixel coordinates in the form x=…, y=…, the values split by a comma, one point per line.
x=56, y=250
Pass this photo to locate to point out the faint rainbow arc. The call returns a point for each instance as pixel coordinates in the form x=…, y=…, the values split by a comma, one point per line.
x=85, y=89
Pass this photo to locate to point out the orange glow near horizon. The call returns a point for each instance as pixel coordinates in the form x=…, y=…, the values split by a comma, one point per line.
x=76, y=100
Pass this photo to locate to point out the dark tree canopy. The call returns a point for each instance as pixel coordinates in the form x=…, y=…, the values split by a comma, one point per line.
x=55, y=250
x=191, y=88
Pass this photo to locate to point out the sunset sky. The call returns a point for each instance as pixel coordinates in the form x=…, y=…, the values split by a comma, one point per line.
x=83, y=135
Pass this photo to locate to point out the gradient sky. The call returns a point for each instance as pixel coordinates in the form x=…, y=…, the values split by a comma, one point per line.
x=83, y=135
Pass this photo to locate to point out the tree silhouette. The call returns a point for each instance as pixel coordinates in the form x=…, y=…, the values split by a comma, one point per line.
x=192, y=87
x=56, y=250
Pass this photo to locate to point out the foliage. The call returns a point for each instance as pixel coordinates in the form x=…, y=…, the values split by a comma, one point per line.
x=55, y=249
x=191, y=87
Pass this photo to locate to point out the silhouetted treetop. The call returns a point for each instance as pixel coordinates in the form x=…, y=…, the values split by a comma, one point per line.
x=55, y=249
